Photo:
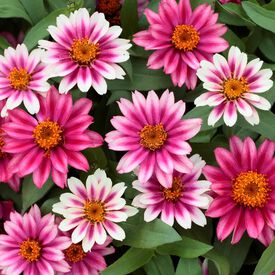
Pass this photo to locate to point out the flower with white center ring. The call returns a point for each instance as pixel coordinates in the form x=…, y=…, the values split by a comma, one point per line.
x=93, y=210
x=85, y=51
x=234, y=85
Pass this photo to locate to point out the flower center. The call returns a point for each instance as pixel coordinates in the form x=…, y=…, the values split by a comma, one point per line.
x=153, y=137
x=235, y=88
x=185, y=38
x=174, y=193
x=30, y=250
x=74, y=253
x=251, y=189
x=84, y=52
x=94, y=211
x=109, y=7
x=19, y=79
x=2, y=143
x=48, y=134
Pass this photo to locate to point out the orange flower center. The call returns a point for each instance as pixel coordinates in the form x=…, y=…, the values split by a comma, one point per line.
x=235, y=88
x=84, y=52
x=185, y=38
x=30, y=250
x=153, y=137
x=2, y=143
x=251, y=189
x=174, y=193
x=94, y=211
x=109, y=7
x=19, y=79
x=74, y=253
x=48, y=134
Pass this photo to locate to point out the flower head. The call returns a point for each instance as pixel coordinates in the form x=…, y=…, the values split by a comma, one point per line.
x=154, y=135
x=181, y=38
x=244, y=185
x=85, y=51
x=93, y=209
x=181, y=202
x=32, y=245
x=86, y=263
x=53, y=140
x=233, y=86
x=22, y=78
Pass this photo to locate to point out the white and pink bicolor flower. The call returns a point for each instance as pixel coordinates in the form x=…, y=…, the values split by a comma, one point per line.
x=234, y=86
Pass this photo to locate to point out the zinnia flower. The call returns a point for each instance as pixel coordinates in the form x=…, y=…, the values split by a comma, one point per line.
x=22, y=77
x=86, y=263
x=31, y=245
x=6, y=175
x=181, y=202
x=181, y=39
x=233, y=86
x=93, y=209
x=244, y=184
x=154, y=135
x=53, y=140
x=85, y=51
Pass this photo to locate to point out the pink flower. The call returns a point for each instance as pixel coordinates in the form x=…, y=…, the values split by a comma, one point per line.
x=244, y=184
x=142, y=4
x=93, y=209
x=181, y=39
x=5, y=209
x=53, y=140
x=86, y=263
x=85, y=51
x=233, y=86
x=154, y=135
x=31, y=245
x=22, y=77
x=181, y=202
x=230, y=1
x=6, y=175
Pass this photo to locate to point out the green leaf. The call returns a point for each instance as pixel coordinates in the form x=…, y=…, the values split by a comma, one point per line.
x=266, y=263
x=129, y=18
x=265, y=127
x=35, y=9
x=186, y=248
x=203, y=113
x=160, y=265
x=261, y=16
x=117, y=95
x=6, y=193
x=230, y=251
x=220, y=261
x=128, y=68
x=188, y=267
x=13, y=8
x=31, y=194
x=148, y=235
x=46, y=207
x=3, y=43
x=143, y=79
x=39, y=31
x=57, y=4
x=267, y=46
x=129, y=262
x=234, y=40
x=204, y=136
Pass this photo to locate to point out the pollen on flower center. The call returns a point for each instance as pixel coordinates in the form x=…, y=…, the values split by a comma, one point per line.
x=185, y=38
x=235, y=88
x=109, y=7
x=74, y=253
x=174, y=193
x=83, y=51
x=30, y=250
x=19, y=79
x=2, y=143
x=251, y=189
x=153, y=137
x=48, y=134
x=94, y=211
